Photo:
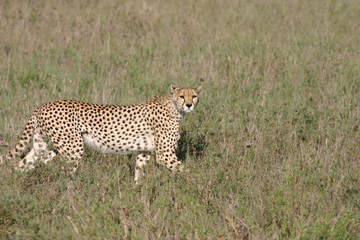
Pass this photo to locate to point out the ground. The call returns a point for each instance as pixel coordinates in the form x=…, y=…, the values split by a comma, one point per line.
x=273, y=147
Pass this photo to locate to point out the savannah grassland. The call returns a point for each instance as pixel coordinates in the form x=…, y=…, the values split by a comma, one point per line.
x=273, y=148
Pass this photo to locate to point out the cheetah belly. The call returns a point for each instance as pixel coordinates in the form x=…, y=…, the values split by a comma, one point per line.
x=145, y=143
x=93, y=143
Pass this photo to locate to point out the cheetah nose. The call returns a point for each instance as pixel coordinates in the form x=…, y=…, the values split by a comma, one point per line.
x=189, y=105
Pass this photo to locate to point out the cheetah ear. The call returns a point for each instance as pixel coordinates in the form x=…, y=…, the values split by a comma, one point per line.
x=173, y=88
x=199, y=88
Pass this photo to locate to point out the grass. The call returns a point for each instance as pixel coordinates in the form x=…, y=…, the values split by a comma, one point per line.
x=273, y=147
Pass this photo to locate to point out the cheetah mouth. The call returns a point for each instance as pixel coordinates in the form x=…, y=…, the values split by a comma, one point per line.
x=188, y=110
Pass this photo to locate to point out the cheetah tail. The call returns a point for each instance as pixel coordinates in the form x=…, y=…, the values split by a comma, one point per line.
x=24, y=141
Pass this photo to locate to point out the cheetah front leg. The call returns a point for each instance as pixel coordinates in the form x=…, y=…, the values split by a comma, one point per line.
x=141, y=160
x=166, y=141
x=169, y=159
x=165, y=154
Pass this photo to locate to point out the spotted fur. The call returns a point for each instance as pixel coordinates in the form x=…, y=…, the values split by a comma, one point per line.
x=62, y=127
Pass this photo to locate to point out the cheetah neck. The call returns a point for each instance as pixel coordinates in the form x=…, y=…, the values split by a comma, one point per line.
x=174, y=111
x=168, y=103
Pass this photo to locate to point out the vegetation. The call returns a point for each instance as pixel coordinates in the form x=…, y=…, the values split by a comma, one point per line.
x=272, y=150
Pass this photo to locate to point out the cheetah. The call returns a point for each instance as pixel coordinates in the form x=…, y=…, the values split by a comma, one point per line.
x=63, y=127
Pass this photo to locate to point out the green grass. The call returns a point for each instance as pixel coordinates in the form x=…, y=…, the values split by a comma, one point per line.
x=273, y=148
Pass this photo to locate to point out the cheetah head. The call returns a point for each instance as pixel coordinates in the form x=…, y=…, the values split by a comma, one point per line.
x=185, y=99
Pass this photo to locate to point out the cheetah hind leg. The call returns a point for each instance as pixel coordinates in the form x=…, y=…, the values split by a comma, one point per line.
x=39, y=151
x=141, y=160
x=72, y=150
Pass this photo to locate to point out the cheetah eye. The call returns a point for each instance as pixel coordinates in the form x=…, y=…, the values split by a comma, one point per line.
x=194, y=96
x=182, y=96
